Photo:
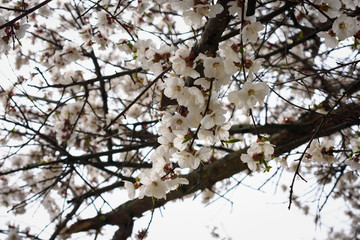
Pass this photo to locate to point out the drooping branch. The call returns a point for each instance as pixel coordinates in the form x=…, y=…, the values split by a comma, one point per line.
x=285, y=140
x=285, y=137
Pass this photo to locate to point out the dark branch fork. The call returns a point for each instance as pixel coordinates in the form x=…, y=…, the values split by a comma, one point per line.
x=285, y=140
x=286, y=137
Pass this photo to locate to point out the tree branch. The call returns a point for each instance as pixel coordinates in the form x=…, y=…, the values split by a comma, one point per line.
x=10, y=23
x=206, y=176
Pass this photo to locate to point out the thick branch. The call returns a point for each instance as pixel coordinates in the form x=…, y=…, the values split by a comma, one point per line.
x=214, y=28
x=207, y=175
x=286, y=138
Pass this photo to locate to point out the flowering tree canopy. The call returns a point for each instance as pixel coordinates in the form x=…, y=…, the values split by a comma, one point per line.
x=164, y=99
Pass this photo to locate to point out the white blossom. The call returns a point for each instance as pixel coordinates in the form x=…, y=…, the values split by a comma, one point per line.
x=207, y=136
x=197, y=97
x=213, y=119
x=174, y=183
x=194, y=117
x=330, y=8
x=203, y=154
x=71, y=52
x=151, y=184
x=180, y=143
x=195, y=17
x=222, y=131
x=352, y=4
x=249, y=95
x=214, y=67
x=182, y=5
x=153, y=188
x=354, y=165
x=354, y=161
x=178, y=125
x=183, y=62
x=13, y=234
x=174, y=87
x=250, y=32
x=252, y=66
x=322, y=152
x=236, y=8
x=129, y=186
x=344, y=27
x=20, y=29
x=105, y=21
x=282, y=161
x=246, y=158
x=258, y=153
x=186, y=159
x=355, y=145
x=330, y=40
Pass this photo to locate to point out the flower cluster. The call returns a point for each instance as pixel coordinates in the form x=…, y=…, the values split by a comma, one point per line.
x=134, y=76
x=321, y=152
x=199, y=115
x=259, y=154
x=354, y=160
x=157, y=181
x=249, y=95
x=343, y=27
x=200, y=10
x=12, y=33
x=65, y=122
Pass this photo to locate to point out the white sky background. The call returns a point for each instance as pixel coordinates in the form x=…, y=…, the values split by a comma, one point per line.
x=253, y=215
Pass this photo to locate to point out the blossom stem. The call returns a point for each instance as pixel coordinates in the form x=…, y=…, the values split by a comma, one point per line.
x=252, y=117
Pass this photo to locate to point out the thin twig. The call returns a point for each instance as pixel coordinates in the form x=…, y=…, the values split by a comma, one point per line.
x=138, y=97
x=10, y=23
x=310, y=141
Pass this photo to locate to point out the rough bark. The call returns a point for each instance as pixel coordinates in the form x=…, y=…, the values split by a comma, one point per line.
x=286, y=139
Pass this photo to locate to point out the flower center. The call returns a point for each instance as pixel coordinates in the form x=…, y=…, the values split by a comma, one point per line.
x=258, y=157
x=342, y=26
x=216, y=65
x=179, y=122
x=251, y=92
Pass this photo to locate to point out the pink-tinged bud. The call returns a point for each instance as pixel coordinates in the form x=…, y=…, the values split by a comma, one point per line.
x=324, y=7
x=6, y=39
x=300, y=16
x=110, y=19
x=142, y=234
x=248, y=63
x=17, y=26
x=258, y=157
x=331, y=33
x=288, y=120
x=212, y=158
